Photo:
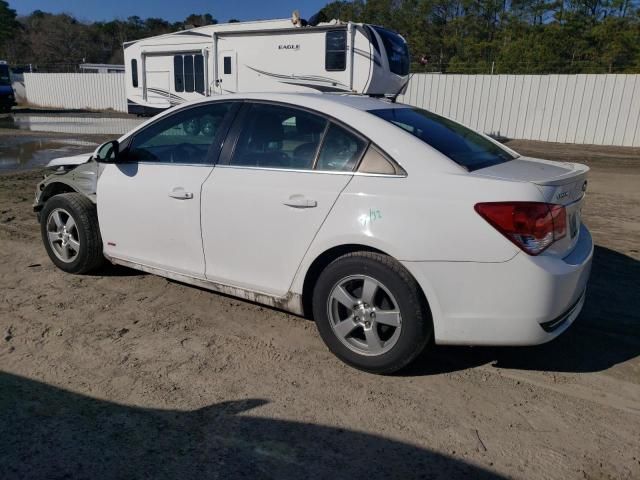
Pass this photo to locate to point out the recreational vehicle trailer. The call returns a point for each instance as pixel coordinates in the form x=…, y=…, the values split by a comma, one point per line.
x=263, y=56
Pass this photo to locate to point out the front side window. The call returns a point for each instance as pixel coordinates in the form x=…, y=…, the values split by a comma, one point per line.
x=461, y=144
x=134, y=73
x=279, y=137
x=341, y=150
x=336, y=50
x=397, y=51
x=184, y=137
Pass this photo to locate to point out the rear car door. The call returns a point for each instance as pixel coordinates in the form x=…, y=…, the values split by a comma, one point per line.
x=149, y=201
x=279, y=175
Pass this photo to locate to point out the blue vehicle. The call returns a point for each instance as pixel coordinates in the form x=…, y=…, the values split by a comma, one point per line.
x=7, y=95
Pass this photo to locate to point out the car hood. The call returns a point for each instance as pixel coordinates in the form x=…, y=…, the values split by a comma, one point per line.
x=6, y=90
x=70, y=161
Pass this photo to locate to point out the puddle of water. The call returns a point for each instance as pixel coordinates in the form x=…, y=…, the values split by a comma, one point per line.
x=21, y=153
x=65, y=123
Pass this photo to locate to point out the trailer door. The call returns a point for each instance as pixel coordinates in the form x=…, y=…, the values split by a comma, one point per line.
x=227, y=81
x=158, y=78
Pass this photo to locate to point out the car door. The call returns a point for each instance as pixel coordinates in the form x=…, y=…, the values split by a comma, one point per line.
x=280, y=173
x=149, y=200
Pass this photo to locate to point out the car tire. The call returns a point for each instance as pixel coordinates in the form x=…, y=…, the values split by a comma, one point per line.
x=70, y=233
x=371, y=312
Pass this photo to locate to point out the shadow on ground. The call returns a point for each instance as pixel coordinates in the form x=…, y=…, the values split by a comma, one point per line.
x=606, y=333
x=52, y=433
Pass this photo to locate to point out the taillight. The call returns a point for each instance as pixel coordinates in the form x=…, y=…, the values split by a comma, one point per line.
x=532, y=226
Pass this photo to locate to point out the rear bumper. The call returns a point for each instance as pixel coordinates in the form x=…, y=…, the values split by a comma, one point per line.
x=524, y=301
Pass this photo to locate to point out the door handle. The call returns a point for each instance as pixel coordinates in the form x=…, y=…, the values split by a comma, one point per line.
x=300, y=201
x=180, y=194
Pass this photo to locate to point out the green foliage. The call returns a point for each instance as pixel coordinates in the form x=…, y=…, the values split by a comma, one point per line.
x=509, y=36
x=60, y=42
x=8, y=24
x=454, y=36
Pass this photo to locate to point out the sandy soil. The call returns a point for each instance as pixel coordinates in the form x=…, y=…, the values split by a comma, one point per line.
x=125, y=375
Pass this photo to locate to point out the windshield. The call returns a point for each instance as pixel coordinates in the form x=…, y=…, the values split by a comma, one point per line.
x=397, y=51
x=462, y=145
x=4, y=75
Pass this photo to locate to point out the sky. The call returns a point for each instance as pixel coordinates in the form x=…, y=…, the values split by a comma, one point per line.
x=97, y=10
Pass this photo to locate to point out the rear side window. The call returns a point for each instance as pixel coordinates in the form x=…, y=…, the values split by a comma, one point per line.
x=341, y=150
x=461, y=144
x=279, y=137
x=336, y=51
x=134, y=72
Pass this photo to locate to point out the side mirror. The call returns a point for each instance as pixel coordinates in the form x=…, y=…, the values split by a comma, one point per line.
x=107, y=152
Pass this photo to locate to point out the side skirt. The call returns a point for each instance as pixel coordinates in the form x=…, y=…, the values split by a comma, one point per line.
x=292, y=302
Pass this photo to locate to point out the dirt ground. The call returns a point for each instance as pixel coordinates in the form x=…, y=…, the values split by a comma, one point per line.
x=126, y=375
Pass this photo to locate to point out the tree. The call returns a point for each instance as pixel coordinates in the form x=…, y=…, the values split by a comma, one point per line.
x=8, y=24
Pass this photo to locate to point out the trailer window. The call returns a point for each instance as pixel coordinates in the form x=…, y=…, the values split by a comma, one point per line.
x=134, y=73
x=336, y=51
x=397, y=51
x=188, y=73
x=198, y=67
x=227, y=65
x=178, y=73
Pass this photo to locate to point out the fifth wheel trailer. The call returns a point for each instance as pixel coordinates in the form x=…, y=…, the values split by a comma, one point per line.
x=263, y=56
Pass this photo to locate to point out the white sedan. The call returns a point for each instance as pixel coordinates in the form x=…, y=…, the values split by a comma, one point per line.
x=389, y=225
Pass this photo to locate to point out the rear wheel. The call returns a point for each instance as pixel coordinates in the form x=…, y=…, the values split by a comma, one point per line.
x=370, y=312
x=70, y=232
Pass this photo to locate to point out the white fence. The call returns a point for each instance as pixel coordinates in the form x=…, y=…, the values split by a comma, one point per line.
x=91, y=91
x=590, y=109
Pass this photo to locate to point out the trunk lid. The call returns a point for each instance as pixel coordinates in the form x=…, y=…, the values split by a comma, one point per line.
x=559, y=183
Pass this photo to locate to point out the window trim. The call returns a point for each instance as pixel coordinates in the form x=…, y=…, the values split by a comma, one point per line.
x=326, y=50
x=232, y=125
x=215, y=149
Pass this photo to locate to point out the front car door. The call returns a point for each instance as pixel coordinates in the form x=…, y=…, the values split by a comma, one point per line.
x=279, y=175
x=149, y=201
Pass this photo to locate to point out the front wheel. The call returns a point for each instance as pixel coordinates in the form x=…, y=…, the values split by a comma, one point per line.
x=371, y=313
x=70, y=232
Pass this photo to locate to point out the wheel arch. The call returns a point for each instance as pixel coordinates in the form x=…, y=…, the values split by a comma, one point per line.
x=51, y=189
x=325, y=258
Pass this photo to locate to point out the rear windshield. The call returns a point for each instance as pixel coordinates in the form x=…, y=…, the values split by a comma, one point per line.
x=460, y=144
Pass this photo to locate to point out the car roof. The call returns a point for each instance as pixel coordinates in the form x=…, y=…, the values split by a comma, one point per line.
x=350, y=109
x=358, y=102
